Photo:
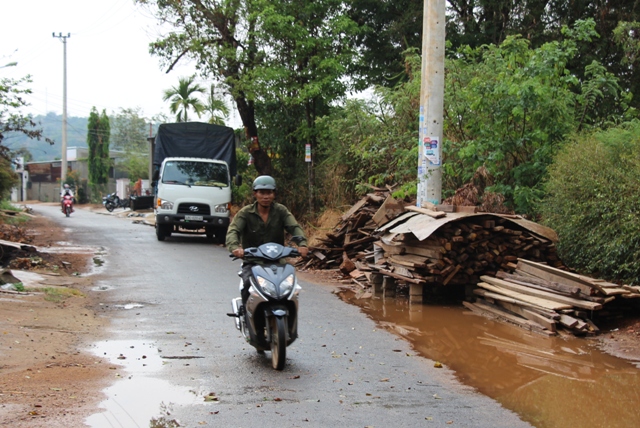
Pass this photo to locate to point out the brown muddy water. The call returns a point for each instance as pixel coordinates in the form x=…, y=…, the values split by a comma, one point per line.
x=549, y=382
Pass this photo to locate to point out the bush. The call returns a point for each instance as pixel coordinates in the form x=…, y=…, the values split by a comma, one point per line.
x=593, y=202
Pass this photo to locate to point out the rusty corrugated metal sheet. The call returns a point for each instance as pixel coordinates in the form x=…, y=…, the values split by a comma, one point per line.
x=422, y=225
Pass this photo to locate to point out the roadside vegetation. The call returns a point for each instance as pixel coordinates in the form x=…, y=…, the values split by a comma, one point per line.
x=592, y=199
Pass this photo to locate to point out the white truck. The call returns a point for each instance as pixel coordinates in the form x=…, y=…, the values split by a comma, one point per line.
x=193, y=166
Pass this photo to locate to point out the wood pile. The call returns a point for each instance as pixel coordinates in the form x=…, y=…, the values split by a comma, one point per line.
x=373, y=237
x=382, y=243
x=350, y=241
x=544, y=299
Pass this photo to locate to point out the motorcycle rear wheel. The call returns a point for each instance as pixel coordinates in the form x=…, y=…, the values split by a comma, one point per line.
x=278, y=342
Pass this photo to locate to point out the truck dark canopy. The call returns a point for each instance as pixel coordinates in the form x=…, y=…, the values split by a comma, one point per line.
x=197, y=140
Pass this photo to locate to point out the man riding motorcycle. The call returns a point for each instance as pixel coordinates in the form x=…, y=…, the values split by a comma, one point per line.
x=261, y=222
x=66, y=191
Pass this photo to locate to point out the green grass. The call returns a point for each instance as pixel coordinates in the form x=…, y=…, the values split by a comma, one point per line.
x=17, y=219
x=59, y=294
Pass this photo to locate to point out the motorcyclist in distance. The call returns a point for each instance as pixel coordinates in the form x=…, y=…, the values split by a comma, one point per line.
x=261, y=222
x=66, y=190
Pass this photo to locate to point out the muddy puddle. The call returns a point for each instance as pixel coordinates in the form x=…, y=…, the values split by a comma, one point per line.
x=549, y=382
x=138, y=399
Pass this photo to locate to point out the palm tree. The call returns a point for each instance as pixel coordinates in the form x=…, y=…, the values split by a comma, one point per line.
x=182, y=98
x=215, y=105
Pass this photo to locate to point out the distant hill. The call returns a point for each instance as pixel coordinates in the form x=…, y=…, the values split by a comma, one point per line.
x=51, y=125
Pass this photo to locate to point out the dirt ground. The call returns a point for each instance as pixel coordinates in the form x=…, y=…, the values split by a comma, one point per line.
x=47, y=379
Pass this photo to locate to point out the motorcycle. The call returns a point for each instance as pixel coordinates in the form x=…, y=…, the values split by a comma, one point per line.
x=67, y=205
x=270, y=319
x=113, y=201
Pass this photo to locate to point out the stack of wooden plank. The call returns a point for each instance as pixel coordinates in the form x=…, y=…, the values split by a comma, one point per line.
x=545, y=299
x=459, y=252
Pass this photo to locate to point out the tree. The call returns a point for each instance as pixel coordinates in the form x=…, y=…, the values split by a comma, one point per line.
x=220, y=37
x=237, y=43
x=129, y=133
x=627, y=36
x=301, y=75
x=98, y=134
x=483, y=22
x=182, y=98
x=22, y=152
x=386, y=30
x=12, y=120
x=511, y=107
x=129, y=130
x=216, y=107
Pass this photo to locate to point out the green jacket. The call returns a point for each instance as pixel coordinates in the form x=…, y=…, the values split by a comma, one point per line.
x=249, y=230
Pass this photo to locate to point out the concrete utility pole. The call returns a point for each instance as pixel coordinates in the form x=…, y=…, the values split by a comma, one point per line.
x=431, y=103
x=63, y=171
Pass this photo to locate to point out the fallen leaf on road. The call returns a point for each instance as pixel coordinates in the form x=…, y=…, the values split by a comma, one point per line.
x=211, y=397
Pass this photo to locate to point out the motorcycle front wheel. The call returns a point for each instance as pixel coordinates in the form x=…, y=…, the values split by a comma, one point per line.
x=109, y=206
x=67, y=210
x=278, y=342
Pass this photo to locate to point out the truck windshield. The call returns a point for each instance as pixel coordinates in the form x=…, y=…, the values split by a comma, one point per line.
x=190, y=173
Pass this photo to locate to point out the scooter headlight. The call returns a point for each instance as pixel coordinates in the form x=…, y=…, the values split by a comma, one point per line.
x=287, y=285
x=267, y=286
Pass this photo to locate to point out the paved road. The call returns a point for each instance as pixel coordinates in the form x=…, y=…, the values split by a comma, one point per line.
x=184, y=360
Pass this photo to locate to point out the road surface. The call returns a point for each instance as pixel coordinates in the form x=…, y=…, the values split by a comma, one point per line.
x=184, y=362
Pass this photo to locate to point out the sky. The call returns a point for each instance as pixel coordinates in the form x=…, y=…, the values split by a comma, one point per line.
x=108, y=60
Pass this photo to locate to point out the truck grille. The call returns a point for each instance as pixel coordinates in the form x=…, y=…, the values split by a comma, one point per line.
x=194, y=209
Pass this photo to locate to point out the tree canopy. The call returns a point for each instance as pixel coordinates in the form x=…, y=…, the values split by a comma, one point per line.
x=129, y=131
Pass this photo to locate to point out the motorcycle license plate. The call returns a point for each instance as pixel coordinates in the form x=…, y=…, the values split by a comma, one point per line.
x=193, y=217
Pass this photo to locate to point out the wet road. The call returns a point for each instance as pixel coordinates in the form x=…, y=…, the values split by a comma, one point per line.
x=184, y=360
x=552, y=382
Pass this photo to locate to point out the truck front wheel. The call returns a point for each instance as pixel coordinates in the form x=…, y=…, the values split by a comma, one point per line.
x=221, y=235
x=209, y=231
x=163, y=230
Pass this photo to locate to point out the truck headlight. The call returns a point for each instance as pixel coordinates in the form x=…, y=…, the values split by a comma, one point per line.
x=166, y=205
x=222, y=208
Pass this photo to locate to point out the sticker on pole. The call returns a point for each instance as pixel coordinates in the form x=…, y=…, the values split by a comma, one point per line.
x=307, y=152
x=431, y=150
